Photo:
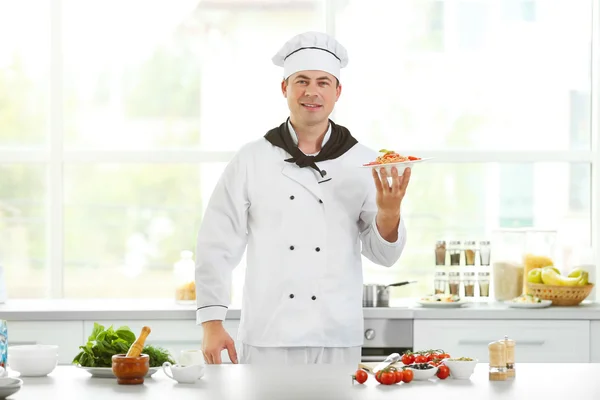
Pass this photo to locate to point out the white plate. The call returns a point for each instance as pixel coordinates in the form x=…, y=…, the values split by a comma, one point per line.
x=543, y=304
x=9, y=386
x=399, y=165
x=105, y=372
x=441, y=304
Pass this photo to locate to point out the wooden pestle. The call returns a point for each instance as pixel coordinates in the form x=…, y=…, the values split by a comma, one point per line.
x=136, y=348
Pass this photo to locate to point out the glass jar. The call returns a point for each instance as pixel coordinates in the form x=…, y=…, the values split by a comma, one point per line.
x=454, y=250
x=484, y=284
x=440, y=252
x=508, y=280
x=469, y=284
x=470, y=250
x=454, y=283
x=185, y=282
x=440, y=283
x=485, y=252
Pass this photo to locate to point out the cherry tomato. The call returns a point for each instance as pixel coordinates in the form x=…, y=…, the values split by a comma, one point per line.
x=443, y=355
x=435, y=363
x=399, y=375
x=378, y=376
x=408, y=359
x=429, y=356
x=443, y=372
x=421, y=359
x=388, y=378
x=407, y=375
x=360, y=376
x=412, y=158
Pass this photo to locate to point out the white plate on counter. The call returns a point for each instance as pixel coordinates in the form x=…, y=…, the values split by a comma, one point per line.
x=104, y=372
x=543, y=304
x=441, y=304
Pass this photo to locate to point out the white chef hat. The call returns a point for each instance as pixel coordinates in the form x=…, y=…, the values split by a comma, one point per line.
x=311, y=51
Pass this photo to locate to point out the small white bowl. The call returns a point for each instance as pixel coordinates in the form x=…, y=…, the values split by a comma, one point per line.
x=423, y=374
x=461, y=369
x=30, y=363
x=34, y=350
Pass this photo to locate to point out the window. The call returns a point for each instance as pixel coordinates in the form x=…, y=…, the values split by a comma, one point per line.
x=112, y=140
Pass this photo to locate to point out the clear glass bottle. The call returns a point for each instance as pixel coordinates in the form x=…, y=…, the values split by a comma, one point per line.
x=454, y=283
x=497, y=363
x=440, y=283
x=484, y=284
x=454, y=250
x=440, y=252
x=185, y=282
x=469, y=284
x=470, y=251
x=485, y=252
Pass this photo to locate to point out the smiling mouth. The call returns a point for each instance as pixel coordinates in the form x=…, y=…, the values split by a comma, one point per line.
x=312, y=106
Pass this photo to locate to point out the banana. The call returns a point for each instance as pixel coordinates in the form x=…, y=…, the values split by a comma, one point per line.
x=580, y=273
x=550, y=277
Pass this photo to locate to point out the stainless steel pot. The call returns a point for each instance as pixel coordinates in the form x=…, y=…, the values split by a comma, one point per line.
x=379, y=295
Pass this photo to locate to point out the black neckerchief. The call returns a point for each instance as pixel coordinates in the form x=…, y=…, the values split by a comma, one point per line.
x=340, y=141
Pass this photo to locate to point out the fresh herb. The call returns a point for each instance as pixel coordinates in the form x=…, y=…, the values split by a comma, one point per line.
x=103, y=343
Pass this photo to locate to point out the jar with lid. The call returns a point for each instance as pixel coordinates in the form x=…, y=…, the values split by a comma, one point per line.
x=469, y=284
x=185, y=282
x=454, y=250
x=508, y=280
x=510, y=357
x=440, y=252
x=484, y=284
x=440, y=283
x=454, y=283
x=497, y=363
x=485, y=251
x=470, y=251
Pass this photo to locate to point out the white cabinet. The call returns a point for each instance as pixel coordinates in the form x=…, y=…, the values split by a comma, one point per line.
x=536, y=341
x=595, y=341
x=66, y=334
x=173, y=335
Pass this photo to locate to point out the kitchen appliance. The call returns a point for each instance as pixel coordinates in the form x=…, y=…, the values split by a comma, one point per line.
x=384, y=337
x=379, y=295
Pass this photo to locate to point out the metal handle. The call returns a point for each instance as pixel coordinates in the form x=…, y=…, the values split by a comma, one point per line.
x=369, y=334
x=401, y=283
x=486, y=342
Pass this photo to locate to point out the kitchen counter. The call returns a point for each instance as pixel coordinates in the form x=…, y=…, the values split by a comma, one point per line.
x=249, y=382
x=165, y=309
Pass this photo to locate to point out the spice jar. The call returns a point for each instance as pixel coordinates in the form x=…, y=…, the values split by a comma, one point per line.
x=485, y=251
x=469, y=284
x=454, y=282
x=440, y=283
x=185, y=282
x=497, y=364
x=454, y=250
x=470, y=251
x=510, y=357
x=484, y=284
x=440, y=252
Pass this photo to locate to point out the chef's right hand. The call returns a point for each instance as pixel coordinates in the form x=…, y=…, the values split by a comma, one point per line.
x=215, y=340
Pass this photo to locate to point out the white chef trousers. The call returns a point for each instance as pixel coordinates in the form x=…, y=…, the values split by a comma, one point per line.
x=348, y=356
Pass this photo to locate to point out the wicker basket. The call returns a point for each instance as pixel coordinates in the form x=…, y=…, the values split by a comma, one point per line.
x=560, y=295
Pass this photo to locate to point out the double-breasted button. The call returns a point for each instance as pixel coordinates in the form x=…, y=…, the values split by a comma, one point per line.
x=292, y=197
x=318, y=249
x=314, y=297
x=291, y=295
x=291, y=247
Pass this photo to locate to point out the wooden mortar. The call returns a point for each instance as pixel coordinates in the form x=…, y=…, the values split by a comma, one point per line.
x=131, y=368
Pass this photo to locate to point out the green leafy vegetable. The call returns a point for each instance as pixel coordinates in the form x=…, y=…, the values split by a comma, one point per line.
x=103, y=343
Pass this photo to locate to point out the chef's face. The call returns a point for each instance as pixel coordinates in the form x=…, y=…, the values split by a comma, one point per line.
x=311, y=96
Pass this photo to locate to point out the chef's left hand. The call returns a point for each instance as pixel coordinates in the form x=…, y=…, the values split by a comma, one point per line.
x=390, y=195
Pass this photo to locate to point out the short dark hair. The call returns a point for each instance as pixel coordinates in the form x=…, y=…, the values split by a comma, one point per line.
x=337, y=82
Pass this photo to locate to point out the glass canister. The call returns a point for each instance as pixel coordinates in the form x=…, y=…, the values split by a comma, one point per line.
x=185, y=282
x=485, y=252
x=470, y=251
x=454, y=250
x=508, y=280
x=497, y=363
x=454, y=282
x=469, y=284
x=440, y=252
x=440, y=283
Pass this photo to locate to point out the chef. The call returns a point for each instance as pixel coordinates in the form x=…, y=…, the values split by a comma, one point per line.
x=297, y=201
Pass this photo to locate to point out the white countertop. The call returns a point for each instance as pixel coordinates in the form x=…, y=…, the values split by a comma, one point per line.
x=249, y=382
x=166, y=309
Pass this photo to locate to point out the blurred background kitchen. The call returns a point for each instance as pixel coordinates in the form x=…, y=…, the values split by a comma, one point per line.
x=117, y=118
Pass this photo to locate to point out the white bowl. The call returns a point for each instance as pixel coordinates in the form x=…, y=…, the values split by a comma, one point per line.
x=461, y=369
x=34, y=350
x=32, y=365
x=423, y=374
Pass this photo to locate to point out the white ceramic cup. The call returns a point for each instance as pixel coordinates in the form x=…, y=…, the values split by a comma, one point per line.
x=191, y=357
x=183, y=374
